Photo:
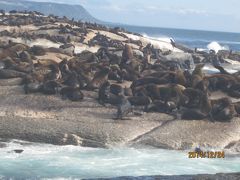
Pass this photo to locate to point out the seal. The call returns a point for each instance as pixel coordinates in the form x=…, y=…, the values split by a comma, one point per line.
x=221, y=69
x=37, y=51
x=139, y=100
x=162, y=107
x=192, y=114
x=224, y=82
x=116, y=89
x=72, y=80
x=197, y=75
x=124, y=107
x=194, y=97
x=115, y=74
x=222, y=110
x=195, y=109
x=103, y=92
x=73, y=94
x=8, y=74
x=55, y=73
x=234, y=90
x=198, y=70
x=237, y=107
x=147, y=80
x=25, y=57
x=167, y=92
x=33, y=87
x=64, y=68
x=128, y=91
x=99, y=77
x=50, y=87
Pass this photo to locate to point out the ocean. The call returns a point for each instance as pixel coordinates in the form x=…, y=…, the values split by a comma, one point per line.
x=191, y=38
x=43, y=161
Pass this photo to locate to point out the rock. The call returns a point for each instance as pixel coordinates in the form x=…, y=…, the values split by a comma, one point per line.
x=233, y=146
x=11, y=82
x=184, y=59
x=218, y=176
x=138, y=53
x=182, y=134
x=18, y=151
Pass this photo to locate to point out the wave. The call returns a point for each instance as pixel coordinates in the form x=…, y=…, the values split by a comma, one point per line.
x=211, y=70
x=216, y=46
x=49, y=161
x=206, y=41
x=159, y=38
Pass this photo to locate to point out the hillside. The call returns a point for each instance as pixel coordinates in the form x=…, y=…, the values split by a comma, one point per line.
x=71, y=11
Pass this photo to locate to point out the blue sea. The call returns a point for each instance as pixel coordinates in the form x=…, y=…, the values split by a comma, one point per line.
x=191, y=38
x=43, y=161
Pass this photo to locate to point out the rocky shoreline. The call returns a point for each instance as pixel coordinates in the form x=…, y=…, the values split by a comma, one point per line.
x=219, y=176
x=50, y=119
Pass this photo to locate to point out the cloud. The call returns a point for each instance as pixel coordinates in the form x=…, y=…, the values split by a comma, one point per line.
x=192, y=11
x=175, y=10
x=114, y=7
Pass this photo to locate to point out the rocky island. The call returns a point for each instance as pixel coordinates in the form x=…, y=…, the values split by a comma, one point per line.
x=71, y=82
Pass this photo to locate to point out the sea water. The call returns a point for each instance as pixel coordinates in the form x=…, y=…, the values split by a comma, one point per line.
x=49, y=161
x=192, y=38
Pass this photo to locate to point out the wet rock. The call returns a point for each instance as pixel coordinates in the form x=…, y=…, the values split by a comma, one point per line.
x=185, y=60
x=219, y=176
x=18, y=151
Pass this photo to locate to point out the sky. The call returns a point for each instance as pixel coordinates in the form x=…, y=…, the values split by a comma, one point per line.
x=214, y=15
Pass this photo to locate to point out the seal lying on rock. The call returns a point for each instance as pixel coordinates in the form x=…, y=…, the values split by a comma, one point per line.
x=123, y=74
x=50, y=87
x=73, y=94
x=8, y=73
x=222, y=110
x=162, y=107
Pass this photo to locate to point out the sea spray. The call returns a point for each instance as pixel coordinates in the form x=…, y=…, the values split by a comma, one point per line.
x=49, y=161
x=216, y=46
x=159, y=38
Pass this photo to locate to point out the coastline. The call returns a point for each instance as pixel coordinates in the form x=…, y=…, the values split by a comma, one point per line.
x=219, y=176
x=49, y=119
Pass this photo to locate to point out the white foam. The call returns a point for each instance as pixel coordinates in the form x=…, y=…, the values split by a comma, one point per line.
x=210, y=69
x=159, y=38
x=49, y=161
x=161, y=42
x=216, y=46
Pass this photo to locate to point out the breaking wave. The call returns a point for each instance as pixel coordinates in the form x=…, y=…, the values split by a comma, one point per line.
x=48, y=161
x=216, y=46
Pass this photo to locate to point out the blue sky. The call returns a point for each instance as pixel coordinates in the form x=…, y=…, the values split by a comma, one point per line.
x=218, y=15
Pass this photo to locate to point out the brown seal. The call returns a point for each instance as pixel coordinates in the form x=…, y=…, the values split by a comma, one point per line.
x=222, y=110
x=73, y=94
x=99, y=77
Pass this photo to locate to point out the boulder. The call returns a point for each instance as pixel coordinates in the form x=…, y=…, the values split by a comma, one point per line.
x=185, y=60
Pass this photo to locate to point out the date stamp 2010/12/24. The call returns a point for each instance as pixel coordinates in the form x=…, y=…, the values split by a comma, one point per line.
x=207, y=154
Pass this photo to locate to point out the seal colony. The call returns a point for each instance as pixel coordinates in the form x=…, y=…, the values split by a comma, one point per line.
x=124, y=70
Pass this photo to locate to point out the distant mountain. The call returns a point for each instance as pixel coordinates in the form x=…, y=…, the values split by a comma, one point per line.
x=71, y=11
